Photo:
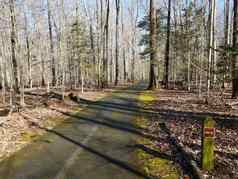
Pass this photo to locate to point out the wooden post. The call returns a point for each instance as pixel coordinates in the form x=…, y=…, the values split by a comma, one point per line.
x=208, y=135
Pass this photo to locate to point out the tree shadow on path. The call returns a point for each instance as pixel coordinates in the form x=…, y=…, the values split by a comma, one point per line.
x=112, y=160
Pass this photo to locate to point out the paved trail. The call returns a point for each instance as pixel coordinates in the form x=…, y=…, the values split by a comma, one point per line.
x=97, y=143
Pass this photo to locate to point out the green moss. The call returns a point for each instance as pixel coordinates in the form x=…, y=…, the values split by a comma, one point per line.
x=155, y=166
x=145, y=98
x=209, y=122
x=67, y=98
x=76, y=109
x=152, y=166
x=53, y=121
x=140, y=122
x=115, y=115
x=28, y=136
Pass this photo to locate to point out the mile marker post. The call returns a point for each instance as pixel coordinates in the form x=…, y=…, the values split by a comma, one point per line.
x=208, y=135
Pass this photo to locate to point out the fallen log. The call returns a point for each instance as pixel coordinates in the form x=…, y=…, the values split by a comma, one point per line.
x=233, y=105
x=4, y=112
x=33, y=121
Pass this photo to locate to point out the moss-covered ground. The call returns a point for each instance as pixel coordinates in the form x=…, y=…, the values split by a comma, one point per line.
x=152, y=166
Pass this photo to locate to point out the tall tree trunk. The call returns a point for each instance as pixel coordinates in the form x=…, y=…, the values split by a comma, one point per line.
x=117, y=36
x=226, y=40
x=133, y=61
x=166, y=73
x=93, y=48
x=214, y=54
x=124, y=50
x=176, y=36
x=107, y=43
x=235, y=56
x=152, y=80
x=92, y=45
x=134, y=19
x=43, y=83
x=13, y=46
x=211, y=40
x=124, y=64
x=3, y=78
x=99, y=40
x=105, y=49
x=188, y=53
x=51, y=44
x=28, y=52
x=111, y=60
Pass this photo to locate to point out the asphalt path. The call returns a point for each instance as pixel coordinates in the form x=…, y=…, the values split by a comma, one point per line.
x=96, y=143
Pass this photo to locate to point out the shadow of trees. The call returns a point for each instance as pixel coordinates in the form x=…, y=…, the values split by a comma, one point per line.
x=110, y=159
x=128, y=107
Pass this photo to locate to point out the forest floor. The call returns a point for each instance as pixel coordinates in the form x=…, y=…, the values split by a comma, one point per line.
x=95, y=142
x=181, y=113
x=19, y=128
x=96, y=130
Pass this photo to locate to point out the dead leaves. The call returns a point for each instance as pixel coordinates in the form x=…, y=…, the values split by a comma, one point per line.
x=187, y=129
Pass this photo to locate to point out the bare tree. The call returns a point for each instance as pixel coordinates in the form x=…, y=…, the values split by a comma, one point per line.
x=167, y=48
x=152, y=80
x=28, y=51
x=211, y=42
x=117, y=36
x=226, y=37
x=235, y=56
x=105, y=45
x=51, y=44
x=13, y=45
x=123, y=46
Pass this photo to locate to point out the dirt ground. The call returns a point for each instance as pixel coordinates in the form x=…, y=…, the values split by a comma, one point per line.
x=21, y=127
x=182, y=113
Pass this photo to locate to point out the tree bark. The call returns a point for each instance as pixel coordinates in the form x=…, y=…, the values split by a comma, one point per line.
x=105, y=49
x=167, y=49
x=51, y=44
x=28, y=52
x=211, y=42
x=235, y=56
x=13, y=46
x=123, y=50
x=152, y=80
x=117, y=36
x=226, y=40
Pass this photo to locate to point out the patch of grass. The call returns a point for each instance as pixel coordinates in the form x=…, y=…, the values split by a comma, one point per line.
x=146, y=98
x=140, y=122
x=53, y=121
x=151, y=165
x=28, y=136
x=67, y=98
x=76, y=109
x=156, y=167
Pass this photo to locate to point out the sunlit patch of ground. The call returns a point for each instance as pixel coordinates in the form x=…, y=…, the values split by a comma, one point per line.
x=182, y=113
x=151, y=165
x=18, y=131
